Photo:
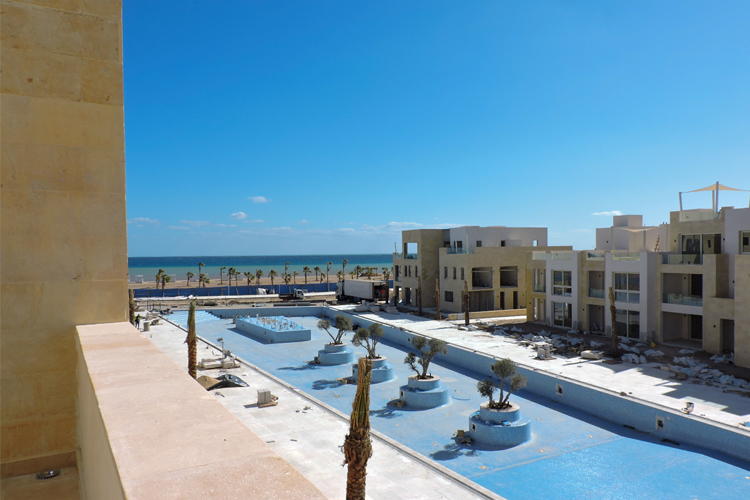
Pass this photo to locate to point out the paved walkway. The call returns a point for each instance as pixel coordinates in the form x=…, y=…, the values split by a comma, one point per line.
x=646, y=382
x=308, y=434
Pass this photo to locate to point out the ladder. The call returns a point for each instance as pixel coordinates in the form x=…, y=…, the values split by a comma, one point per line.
x=656, y=248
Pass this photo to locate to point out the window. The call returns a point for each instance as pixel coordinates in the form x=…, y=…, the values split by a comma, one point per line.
x=454, y=273
x=409, y=273
x=561, y=283
x=416, y=271
x=745, y=242
x=562, y=314
x=479, y=243
x=627, y=288
x=628, y=323
x=448, y=296
x=463, y=276
x=446, y=272
x=502, y=243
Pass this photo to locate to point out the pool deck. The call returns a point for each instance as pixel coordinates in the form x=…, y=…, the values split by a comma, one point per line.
x=646, y=382
x=308, y=433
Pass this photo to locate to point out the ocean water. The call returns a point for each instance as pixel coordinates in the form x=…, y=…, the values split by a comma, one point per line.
x=148, y=267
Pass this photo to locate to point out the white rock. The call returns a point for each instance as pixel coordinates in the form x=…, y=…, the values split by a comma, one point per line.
x=652, y=352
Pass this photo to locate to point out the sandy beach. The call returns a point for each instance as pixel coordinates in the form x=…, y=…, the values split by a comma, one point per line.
x=242, y=281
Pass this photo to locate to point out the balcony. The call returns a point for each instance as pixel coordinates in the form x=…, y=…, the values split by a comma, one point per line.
x=595, y=255
x=685, y=300
x=412, y=256
x=699, y=214
x=538, y=255
x=562, y=256
x=681, y=259
x=596, y=293
x=459, y=251
x=540, y=288
x=398, y=279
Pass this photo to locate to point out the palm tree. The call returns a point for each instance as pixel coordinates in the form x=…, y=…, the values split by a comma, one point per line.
x=286, y=270
x=250, y=276
x=165, y=278
x=272, y=274
x=352, y=274
x=287, y=279
x=343, y=269
x=200, y=264
x=340, y=275
x=258, y=274
x=358, y=270
x=306, y=270
x=328, y=275
x=189, y=276
x=221, y=275
x=317, y=270
x=192, y=342
x=357, y=444
x=386, y=277
x=322, y=276
x=158, y=277
x=295, y=276
x=232, y=272
x=203, y=280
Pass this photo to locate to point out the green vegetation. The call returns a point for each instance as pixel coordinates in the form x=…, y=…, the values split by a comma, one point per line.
x=364, y=336
x=428, y=349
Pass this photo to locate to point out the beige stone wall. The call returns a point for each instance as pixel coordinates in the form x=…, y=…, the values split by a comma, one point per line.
x=63, y=221
x=742, y=311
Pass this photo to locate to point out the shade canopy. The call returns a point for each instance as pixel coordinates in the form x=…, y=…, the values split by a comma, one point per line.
x=716, y=187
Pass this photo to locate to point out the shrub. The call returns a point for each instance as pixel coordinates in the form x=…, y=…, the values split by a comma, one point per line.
x=428, y=349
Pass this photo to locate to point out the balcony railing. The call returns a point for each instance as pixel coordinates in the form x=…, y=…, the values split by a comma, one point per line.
x=540, y=288
x=595, y=255
x=561, y=255
x=596, y=293
x=699, y=214
x=398, y=279
x=412, y=256
x=681, y=259
x=538, y=255
x=626, y=256
x=458, y=251
x=685, y=300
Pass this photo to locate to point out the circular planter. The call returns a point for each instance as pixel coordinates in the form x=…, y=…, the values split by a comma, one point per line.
x=423, y=394
x=335, y=354
x=382, y=371
x=501, y=428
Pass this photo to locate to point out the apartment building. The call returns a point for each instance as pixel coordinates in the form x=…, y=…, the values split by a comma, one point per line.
x=489, y=261
x=685, y=283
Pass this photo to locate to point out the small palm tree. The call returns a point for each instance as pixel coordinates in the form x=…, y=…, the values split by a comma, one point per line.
x=340, y=275
x=232, y=271
x=258, y=274
x=272, y=274
x=192, y=342
x=250, y=276
x=158, y=277
x=221, y=275
x=295, y=273
x=286, y=270
x=306, y=270
x=317, y=271
x=386, y=277
x=165, y=278
x=352, y=274
x=189, y=277
x=328, y=275
x=358, y=270
x=200, y=264
x=287, y=279
x=343, y=269
x=203, y=280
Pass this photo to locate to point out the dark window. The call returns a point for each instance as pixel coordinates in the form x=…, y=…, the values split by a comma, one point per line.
x=448, y=296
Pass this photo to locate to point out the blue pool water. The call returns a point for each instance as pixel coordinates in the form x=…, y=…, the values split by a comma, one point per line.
x=572, y=455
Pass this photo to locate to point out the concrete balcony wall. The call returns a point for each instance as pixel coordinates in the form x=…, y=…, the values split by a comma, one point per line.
x=149, y=431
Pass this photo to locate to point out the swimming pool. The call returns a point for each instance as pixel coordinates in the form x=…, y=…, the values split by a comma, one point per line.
x=571, y=454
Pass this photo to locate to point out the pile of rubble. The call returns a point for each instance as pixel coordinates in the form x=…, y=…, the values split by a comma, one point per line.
x=692, y=368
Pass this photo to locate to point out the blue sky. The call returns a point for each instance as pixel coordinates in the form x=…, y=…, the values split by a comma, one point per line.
x=265, y=128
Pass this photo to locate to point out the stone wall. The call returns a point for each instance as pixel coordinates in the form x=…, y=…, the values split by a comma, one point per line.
x=63, y=220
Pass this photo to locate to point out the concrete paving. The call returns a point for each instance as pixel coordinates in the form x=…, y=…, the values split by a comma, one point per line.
x=646, y=381
x=308, y=433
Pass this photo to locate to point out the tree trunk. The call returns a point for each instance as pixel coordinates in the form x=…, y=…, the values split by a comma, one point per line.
x=467, y=313
x=437, y=297
x=192, y=342
x=131, y=306
x=613, y=311
x=419, y=296
x=357, y=445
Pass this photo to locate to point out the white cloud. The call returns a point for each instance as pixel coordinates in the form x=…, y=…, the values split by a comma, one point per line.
x=195, y=223
x=224, y=225
x=402, y=225
x=143, y=220
x=346, y=230
x=239, y=216
x=303, y=221
x=258, y=199
x=181, y=228
x=256, y=221
x=610, y=214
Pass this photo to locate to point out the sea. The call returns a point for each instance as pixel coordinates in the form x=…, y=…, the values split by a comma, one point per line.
x=178, y=267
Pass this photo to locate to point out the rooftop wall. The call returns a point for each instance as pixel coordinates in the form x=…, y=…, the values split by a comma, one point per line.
x=63, y=241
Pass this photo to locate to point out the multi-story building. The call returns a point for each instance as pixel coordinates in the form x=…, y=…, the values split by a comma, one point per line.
x=686, y=283
x=489, y=261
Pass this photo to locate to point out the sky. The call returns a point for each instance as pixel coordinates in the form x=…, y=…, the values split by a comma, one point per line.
x=319, y=127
